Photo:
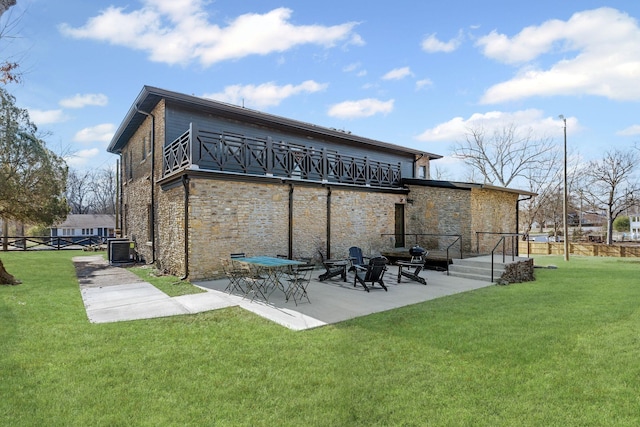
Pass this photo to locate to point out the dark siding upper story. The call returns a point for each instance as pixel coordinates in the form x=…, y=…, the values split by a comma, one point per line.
x=181, y=110
x=179, y=118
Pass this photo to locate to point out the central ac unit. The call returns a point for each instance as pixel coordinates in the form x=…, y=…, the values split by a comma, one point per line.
x=119, y=250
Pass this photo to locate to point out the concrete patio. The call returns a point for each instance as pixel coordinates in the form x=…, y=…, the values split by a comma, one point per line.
x=334, y=301
x=113, y=294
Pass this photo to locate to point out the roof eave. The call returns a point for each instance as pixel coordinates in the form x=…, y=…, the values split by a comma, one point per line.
x=150, y=96
x=464, y=186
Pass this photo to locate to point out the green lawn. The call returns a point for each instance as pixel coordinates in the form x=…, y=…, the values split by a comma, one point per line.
x=561, y=351
x=170, y=285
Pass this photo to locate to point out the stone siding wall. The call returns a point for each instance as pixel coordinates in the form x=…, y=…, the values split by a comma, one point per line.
x=227, y=217
x=493, y=211
x=363, y=219
x=309, y=221
x=136, y=182
x=170, y=247
x=234, y=216
x=439, y=211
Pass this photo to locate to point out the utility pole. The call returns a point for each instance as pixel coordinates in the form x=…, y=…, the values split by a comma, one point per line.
x=564, y=195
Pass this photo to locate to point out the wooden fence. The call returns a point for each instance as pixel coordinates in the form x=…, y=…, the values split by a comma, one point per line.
x=586, y=249
x=34, y=243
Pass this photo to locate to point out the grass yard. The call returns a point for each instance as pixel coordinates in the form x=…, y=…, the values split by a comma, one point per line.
x=560, y=351
x=170, y=285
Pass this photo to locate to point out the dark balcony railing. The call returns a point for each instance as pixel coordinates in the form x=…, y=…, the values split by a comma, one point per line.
x=221, y=151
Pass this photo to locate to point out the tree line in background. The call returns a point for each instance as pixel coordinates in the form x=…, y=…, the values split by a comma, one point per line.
x=508, y=156
x=36, y=186
x=92, y=192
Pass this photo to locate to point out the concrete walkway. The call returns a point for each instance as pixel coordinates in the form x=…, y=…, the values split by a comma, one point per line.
x=113, y=294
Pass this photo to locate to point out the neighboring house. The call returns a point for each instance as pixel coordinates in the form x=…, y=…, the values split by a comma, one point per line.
x=85, y=225
x=201, y=179
x=634, y=225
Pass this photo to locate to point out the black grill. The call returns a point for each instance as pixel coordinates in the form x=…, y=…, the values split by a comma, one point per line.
x=417, y=251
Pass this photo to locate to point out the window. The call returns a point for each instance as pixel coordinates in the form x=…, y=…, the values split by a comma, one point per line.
x=422, y=172
x=130, y=166
x=144, y=148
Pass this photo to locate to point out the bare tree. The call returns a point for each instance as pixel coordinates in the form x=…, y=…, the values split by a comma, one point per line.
x=78, y=191
x=8, y=69
x=611, y=186
x=509, y=155
x=92, y=192
x=504, y=154
x=104, y=191
x=547, y=185
x=547, y=206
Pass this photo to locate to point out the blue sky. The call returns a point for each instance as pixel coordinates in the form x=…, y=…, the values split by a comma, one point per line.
x=410, y=73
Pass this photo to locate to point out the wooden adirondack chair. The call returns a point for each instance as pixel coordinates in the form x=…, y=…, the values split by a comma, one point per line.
x=371, y=273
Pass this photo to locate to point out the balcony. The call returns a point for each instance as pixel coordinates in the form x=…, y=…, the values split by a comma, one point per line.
x=234, y=153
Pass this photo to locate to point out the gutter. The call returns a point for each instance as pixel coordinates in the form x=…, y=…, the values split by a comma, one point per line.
x=518, y=217
x=328, y=222
x=185, y=184
x=290, y=227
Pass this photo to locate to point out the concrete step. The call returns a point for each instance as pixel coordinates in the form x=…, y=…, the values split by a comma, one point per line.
x=478, y=268
x=476, y=273
x=479, y=277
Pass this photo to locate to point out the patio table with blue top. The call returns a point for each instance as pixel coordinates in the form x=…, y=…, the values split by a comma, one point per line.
x=273, y=268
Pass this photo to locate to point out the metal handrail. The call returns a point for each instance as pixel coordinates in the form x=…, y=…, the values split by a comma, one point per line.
x=514, y=247
x=478, y=233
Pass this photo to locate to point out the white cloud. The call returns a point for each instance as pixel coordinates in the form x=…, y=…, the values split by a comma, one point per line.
x=45, y=117
x=362, y=108
x=356, y=68
x=398, y=74
x=351, y=67
x=179, y=32
x=264, y=95
x=456, y=128
x=630, y=131
x=606, y=60
x=431, y=44
x=424, y=83
x=82, y=157
x=82, y=100
x=99, y=133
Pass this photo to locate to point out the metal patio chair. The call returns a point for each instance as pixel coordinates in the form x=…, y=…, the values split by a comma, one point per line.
x=233, y=274
x=300, y=278
x=253, y=282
